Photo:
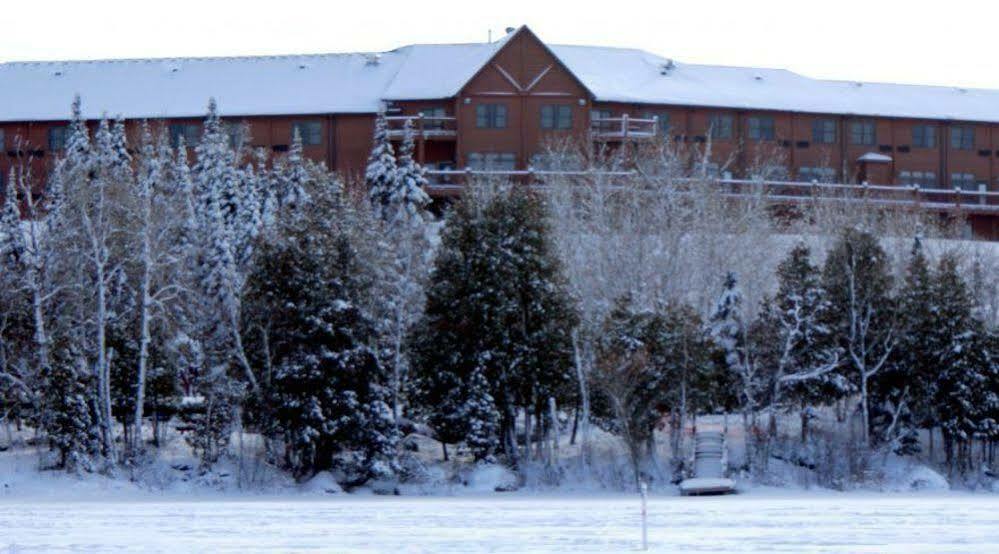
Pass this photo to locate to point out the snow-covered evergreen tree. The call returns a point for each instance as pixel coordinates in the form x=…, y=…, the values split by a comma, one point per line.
x=798, y=349
x=732, y=330
x=380, y=176
x=228, y=221
x=409, y=200
x=496, y=303
x=858, y=281
x=327, y=389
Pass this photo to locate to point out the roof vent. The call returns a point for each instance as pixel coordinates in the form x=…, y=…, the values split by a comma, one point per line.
x=510, y=30
x=665, y=68
x=372, y=59
x=858, y=84
x=303, y=65
x=57, y=73
x=758, y=77
x=962, y=90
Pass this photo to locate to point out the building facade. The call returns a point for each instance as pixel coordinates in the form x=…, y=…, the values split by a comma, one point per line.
x=496, y=105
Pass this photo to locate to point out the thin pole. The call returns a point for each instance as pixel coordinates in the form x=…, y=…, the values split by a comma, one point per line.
x=644, y=489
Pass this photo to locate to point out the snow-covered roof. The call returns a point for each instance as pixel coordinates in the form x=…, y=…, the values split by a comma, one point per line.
x=627, y=75
x=356, y=83
x=874, y=157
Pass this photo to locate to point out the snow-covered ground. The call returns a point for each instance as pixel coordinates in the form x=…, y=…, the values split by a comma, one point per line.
x=754, y=522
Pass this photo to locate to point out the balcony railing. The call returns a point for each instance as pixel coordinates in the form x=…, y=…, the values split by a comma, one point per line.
x=452, y=181
x=424, y=126
x=623, y=128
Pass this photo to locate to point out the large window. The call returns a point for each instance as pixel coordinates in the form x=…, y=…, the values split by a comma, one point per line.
x=433, y=117
x=556, y=116
x=57, y=137
x=963, y=181
x=962, y=137
x=818, y=174
x=495, y=161
x=824, y=131
x=490, y=116
x=761, y=127
x=924, y=136
x=190, y=132
x=720, y=127
x=925, y=179
x=662, y=121
x=862, y=133
x=311, y=132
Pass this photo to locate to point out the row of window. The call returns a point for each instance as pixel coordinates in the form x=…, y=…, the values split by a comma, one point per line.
x=311, y=133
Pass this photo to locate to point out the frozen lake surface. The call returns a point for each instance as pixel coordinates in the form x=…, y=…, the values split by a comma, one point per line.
x=785, y=522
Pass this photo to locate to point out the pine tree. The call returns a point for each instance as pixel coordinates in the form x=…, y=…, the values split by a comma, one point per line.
x=497, y=303
x=67, y=412
x=380, y=176
x=478, y=413
x=963, y=364
x=327, y=391
x=408, y=199
x=798, y=350
x=228, y=221
x=735, y=334
x=862, y=311
x=908, y=383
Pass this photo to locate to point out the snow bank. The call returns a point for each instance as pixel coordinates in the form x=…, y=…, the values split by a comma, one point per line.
x=322, y=483
x=491, y=477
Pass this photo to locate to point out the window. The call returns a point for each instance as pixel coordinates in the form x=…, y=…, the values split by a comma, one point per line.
x=190, y=132
x=662, y=121
x=824, y=131
x=925, y=179
x=556, y=117
x=310, y=131
x=720, y=127
x=2, y=144
x=599, y=123
x=761, y=128
x=490, y=116
x=433, y=118
x=818, y=174
x=963, y=181
x=496, y=161
x=238, y=134
x=962, y=137
x=924, y=136
x=57, y=137
x=862, y=133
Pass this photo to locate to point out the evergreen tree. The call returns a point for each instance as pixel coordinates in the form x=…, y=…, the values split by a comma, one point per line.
x=328, y=389
x=67, y=412
x=497, y=304
x=909, y=382
x=797, y=348
x=409, y=199
x=736, y=335
x=963, y=363
x=862, y=313
x=380, y=176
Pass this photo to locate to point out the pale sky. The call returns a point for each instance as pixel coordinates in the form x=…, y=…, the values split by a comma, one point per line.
x=954, y=42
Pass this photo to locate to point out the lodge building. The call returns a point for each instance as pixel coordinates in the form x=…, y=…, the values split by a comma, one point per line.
x=494, y=105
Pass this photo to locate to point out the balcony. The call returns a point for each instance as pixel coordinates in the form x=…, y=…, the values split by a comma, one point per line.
x=425, y=127
x=623, y=128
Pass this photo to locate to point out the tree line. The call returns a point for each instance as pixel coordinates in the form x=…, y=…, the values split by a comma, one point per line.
x=241, y=291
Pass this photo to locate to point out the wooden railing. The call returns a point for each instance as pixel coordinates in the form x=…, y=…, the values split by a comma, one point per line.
x=444, y=182
x=423, y=126
x=623, y=128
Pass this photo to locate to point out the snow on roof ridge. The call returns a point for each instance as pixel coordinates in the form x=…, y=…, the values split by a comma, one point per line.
x=190, y=58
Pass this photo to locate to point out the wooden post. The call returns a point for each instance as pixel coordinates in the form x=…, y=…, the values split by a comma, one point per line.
x=421, y=147
x=624, y=126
